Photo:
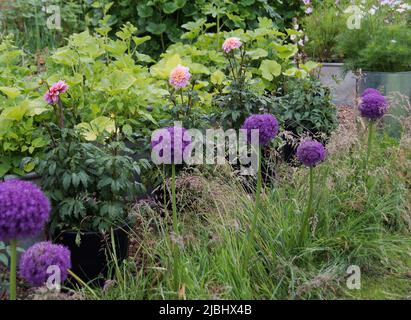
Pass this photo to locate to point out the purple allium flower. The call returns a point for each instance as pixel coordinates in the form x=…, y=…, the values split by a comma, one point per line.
x=370, y=91
x=35, y=261
x=174, y=143
x=373, y=106
x=311, y=153
x=24, y=209
x=267, y=125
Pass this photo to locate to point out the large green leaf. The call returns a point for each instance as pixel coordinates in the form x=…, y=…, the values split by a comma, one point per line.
x=270, y=69
x=163, y=68
x=10, y=92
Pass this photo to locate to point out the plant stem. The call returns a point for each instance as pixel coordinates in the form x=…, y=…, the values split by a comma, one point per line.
x=257, y=203
x=307, y=213
x=173, y=197
x=369, y=144
x=13, y=267
x=259, y=181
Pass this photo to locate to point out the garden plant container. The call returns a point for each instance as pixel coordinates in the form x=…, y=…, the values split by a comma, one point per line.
x=91, y=255
x=341, y=83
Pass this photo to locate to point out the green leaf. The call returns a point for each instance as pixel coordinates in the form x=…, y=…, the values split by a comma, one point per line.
x=66, y=181
x=15, y=113
x=144, y=11
x=148, y=116
x=217, y=77
x=140, y=40
x=198, y=68
x=270, y=69
x=257, y=53
x=156, y=28
x=10, y=92
x=170, y=7
x=163, y=68
x=287, y=51
x=309, y=66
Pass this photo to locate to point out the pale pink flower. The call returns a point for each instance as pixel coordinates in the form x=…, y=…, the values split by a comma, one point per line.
x=179, y=77
x=52, y=96
x=231, y=44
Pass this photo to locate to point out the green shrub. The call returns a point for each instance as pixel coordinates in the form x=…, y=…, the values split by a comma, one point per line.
x=382, y=43
x=323, y=27
x=306, y=107
x=90, y=186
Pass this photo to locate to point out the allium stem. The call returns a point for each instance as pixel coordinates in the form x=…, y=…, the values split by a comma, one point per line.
x=369, y=144
x=259, y=180
x=13, y=267
x=173, y=197
x=307, y=213
x=257, y=202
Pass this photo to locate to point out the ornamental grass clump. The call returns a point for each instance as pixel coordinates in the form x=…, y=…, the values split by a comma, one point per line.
x=373, y=106
x=310, y=153
x=38, y=258
x=24, y=210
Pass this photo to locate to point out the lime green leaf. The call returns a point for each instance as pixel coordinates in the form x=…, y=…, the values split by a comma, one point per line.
x=257, y=53
x=217, y=77
x=270, y=69
x=91, y=131
x=15, y=113
x=163, y=68
x=10, y=92
x=310, y=65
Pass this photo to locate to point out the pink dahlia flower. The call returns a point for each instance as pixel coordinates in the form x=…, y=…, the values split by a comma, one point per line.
x=52, y=96
x=231, y=43
x=179, y=77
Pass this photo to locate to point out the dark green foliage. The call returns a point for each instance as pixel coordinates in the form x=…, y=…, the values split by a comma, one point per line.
x=306, y=107
x=90, y=186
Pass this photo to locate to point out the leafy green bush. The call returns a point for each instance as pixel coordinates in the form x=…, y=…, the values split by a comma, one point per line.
x=22, y=139
x=323, y=27
x=306, y=107
x=90, y=186
x=106, y=83
x=27, y=20
x=389, y=50
x=382, y=43
x=163, y=19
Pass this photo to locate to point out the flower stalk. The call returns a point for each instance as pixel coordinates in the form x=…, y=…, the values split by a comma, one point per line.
x=13, y=268
x=308, y=212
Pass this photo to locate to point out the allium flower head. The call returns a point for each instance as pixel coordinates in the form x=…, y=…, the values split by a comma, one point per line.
x=179, y=77
x=24, y=210
x=267, y=125
x=373, y=106
x=175, y=142
x=370, y=91
x=311, y=153
x=231, y=44
x=36, y=260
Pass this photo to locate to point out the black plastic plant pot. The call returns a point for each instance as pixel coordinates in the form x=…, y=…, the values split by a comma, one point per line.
x=92, y=257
